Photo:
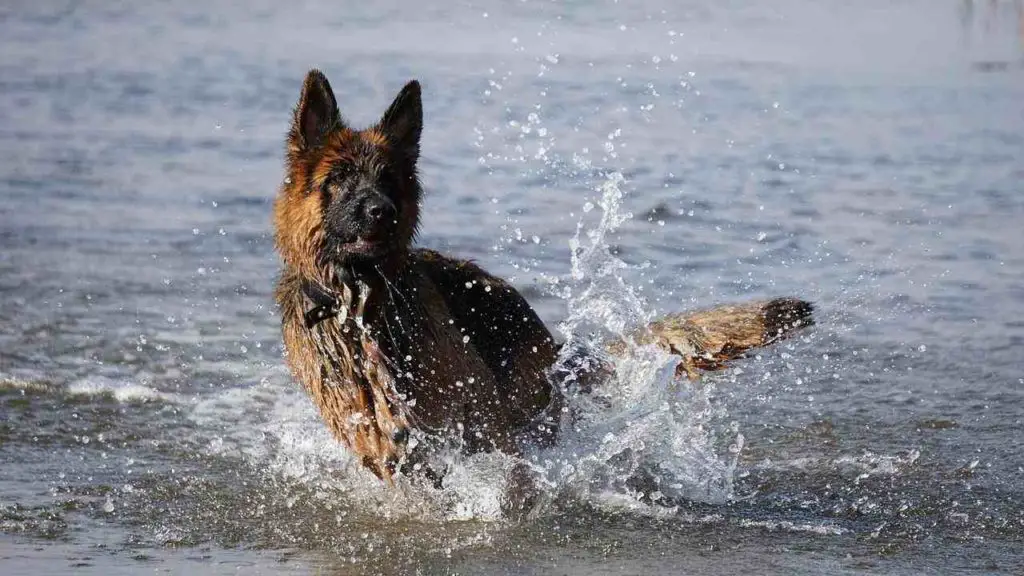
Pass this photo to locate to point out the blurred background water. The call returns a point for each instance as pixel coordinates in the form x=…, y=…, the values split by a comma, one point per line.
x=867, y=156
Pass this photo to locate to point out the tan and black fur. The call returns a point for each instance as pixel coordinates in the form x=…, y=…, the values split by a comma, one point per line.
x=387, y=338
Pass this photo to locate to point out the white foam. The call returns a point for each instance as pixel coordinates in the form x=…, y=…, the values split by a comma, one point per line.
x=861, y=466
x=121, y=390
x=34, y=385
x=787, y=526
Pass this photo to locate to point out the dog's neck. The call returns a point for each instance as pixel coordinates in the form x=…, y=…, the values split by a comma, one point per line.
x=325, y=304
x=356, y=294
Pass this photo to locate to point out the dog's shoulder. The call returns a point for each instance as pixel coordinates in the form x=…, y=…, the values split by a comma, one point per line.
x=446, y=272
x=498, y=321
x=480, y=300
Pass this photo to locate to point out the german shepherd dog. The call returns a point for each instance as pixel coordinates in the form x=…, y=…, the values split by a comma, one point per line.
x=397, y=344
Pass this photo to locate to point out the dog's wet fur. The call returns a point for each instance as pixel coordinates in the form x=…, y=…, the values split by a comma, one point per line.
x=398, y=345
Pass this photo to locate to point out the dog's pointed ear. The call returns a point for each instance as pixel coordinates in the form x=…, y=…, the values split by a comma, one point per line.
x=316, y=114
x=403, y=122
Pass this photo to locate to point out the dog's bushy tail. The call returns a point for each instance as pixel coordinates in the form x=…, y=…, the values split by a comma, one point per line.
x=707, y=339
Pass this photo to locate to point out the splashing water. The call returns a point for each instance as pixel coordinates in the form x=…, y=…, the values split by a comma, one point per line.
x=640, y=436
x=639, y=440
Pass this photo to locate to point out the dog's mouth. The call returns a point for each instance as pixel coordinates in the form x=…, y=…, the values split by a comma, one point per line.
x=362, y=248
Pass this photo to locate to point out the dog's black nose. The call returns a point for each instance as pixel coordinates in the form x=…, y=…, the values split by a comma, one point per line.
x=379, y=209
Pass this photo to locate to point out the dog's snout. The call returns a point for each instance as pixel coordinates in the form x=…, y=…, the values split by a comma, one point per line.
x=379, y=208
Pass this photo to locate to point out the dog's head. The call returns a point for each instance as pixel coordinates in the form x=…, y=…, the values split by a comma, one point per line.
x=351, y=197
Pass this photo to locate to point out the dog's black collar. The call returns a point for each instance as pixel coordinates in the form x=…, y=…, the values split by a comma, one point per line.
x=325, y=304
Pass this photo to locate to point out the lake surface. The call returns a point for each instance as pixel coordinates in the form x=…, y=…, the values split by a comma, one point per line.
x=617, y=160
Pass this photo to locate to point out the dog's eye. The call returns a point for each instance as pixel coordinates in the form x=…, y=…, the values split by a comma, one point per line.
x=338, y=181
x=341, y=176
x=388, y=179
